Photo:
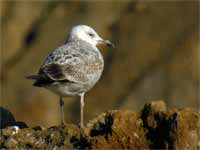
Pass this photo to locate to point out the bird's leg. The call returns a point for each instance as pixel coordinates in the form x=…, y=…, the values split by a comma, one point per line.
x=81, y=112
x=62, y=111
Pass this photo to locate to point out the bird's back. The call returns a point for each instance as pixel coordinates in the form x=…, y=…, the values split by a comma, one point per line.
x=76, y=62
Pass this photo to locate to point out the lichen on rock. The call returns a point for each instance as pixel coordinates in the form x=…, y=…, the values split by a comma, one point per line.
x=155, y=127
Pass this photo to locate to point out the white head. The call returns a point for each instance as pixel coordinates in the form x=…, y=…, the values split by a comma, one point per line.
x=88, y=35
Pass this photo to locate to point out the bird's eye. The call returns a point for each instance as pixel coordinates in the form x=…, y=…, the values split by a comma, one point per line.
x=91, y=34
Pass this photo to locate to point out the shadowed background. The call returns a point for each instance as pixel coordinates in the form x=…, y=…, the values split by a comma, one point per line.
x=156, y=55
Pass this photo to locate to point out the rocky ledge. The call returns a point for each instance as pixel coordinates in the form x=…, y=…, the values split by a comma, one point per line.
x=155, y=127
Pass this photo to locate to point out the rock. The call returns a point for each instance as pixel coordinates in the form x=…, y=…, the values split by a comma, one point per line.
x=6, y=117
x=8, y=120
x=118, y=130
x=49, y=138
x=155, y=127
x=172, y=129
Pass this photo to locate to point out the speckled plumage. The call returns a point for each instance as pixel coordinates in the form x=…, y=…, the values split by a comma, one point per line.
x=80, y=65
x=73, y=68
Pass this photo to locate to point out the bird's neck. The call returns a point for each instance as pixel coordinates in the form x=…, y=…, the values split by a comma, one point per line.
x=80, y=42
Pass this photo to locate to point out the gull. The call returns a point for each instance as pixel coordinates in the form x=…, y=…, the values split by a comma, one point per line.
x=73, y=68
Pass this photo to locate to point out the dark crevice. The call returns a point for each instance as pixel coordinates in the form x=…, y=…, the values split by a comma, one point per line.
x=103, y=128
x=160, y=128
x=81, y=142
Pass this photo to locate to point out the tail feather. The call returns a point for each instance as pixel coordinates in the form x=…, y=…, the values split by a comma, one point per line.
x=40, y=80
x=37, y=79
x=33, y=77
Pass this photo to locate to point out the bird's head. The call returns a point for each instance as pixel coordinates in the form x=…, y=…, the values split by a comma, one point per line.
x=87, y=34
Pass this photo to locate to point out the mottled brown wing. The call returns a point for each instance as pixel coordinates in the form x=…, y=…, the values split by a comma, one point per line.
x=54, y=71
x=74, y=73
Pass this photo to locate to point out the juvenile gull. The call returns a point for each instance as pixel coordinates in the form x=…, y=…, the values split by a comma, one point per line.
x=73, y=68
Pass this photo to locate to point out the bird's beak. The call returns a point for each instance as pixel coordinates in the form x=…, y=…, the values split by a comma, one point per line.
x=106, y=42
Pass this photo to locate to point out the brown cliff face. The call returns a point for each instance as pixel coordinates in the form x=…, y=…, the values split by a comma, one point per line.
x=155, y=127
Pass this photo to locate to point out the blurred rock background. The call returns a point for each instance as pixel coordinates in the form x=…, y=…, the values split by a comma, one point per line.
x=156, y=55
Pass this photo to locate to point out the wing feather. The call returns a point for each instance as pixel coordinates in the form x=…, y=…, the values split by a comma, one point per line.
x=70, y=63
x=71, y=72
